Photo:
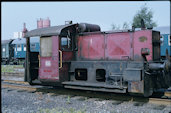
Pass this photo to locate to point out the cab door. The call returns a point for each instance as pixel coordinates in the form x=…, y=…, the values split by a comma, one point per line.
x=49, y=59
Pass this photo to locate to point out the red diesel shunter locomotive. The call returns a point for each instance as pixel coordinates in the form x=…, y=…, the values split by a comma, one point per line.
x=80, y=56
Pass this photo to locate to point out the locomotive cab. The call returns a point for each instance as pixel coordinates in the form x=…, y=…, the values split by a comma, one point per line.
x=50, y=66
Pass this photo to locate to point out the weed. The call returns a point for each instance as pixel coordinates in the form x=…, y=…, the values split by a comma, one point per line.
x=9, y=68
x=68, y=99
x=61, y=110
x=86, y=98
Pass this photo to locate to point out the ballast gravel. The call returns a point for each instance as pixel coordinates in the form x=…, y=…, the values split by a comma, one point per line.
x=15, y=101
x=18, y=101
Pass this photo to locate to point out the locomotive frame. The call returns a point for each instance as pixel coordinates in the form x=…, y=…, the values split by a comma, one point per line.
x=80, y=56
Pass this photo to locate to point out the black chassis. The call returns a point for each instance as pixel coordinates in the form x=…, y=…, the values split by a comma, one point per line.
x=120, y=77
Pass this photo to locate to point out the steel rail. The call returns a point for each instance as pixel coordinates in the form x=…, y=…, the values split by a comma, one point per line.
x=18, y=87
x=167, y=94
x=17, y=82
x=158, y=101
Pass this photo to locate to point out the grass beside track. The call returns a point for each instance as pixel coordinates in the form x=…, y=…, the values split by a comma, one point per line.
x=10, y=68
x=61, y=110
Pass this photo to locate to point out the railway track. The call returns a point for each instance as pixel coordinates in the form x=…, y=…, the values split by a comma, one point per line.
x=24, y=86
x=160, y=101
x=13, y=74
x=16, y=82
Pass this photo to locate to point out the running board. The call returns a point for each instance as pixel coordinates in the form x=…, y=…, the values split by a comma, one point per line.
x=94, y=87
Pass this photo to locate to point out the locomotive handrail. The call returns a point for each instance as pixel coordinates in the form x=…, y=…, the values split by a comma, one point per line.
x=60, y=53
x=39, y=59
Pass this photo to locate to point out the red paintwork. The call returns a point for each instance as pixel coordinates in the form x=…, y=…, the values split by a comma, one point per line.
x=50, y=72
x=67, y=55
x=118, y=46
x=91, y=46
x=101, y=46
x=53, y=73
x=63, y=72
x=147, y=44
x=114, y=46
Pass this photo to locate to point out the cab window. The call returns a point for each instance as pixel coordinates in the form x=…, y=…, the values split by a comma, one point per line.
x=3, y=49
x=24, y=47
x=18, y=47
x=33, y=46
x=46, y=46
x=162, y=40
x=66, y=43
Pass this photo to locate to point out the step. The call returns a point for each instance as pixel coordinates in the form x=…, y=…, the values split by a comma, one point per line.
x=90, y=84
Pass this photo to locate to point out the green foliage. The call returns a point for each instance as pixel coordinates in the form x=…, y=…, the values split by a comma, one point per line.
x=6, y=68
x=10, y=68
x=60, y=110
x=86, y=98
x=115, y=27
x=68, y=99
x=146, y=14
x=124, y=26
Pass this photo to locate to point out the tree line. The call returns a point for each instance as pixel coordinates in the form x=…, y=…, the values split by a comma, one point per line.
x=144, y=14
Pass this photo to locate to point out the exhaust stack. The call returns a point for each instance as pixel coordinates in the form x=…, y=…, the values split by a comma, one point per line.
x=43, y=23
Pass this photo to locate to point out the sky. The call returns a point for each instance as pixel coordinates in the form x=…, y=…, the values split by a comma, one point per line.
x=14, y=14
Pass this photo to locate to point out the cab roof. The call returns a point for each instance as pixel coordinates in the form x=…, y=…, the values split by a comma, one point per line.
x=48, y=31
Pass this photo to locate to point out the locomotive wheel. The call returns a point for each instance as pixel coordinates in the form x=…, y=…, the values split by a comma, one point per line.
x=30, y=82
x=136, y=94
x=148, y=86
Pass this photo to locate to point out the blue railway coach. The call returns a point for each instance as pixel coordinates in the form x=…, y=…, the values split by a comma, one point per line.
x=20, y=48
x=165, y=45
x=165, y=40
x=6, y=51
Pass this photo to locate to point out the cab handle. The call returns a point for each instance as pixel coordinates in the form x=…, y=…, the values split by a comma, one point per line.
x=39, y=59
x=60, y=54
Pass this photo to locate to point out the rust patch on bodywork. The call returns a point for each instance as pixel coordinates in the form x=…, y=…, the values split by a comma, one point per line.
x=136, y=87
x=142, y=39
